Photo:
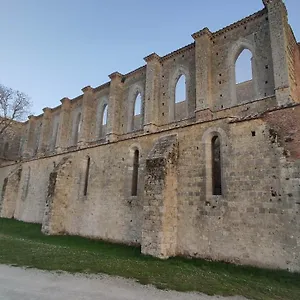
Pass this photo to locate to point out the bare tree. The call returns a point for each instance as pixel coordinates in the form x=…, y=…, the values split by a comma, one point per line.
x=14, y=106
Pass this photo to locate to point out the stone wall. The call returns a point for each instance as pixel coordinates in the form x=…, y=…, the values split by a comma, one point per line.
x=78, y=172
x=255, y=221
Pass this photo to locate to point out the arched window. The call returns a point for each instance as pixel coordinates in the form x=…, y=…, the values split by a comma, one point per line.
x=178, y=106
x=180, y=90
x=135, y=173
x=77, y=128
x=104, y=115
x=138, y=105
x=102, y=121
x=243, y=67
x=135, y=120
x=216, y=165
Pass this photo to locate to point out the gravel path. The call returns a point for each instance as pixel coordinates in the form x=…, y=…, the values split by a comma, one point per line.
x=31, y=284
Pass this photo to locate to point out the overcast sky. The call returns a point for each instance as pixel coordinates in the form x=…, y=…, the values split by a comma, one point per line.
x=50, y=49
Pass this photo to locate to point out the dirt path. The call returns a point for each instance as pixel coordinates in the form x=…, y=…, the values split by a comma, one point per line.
x=31, y=284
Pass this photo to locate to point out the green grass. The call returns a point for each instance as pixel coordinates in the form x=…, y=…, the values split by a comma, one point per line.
x=23, y=244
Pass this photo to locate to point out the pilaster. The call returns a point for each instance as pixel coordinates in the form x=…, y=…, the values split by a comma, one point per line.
x=203, y=61
x=159, y=230
x=277, y=15
x=153, y=73
x=87, y=114
x=30, y=137
x=114, y=106
x=64, y=124
x=46, y=131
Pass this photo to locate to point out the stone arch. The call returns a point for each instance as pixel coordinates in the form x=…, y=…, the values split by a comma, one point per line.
x=134, y=91
x=180, y=70
x=102, y=109
x=207, y=141
x=234, y=53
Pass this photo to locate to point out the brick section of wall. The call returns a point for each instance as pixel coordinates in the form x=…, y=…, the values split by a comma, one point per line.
x=285, y=129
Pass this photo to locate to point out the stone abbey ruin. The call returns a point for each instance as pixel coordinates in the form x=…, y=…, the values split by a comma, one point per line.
x=215, y=176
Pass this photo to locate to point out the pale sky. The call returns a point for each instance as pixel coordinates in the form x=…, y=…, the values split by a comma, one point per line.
x=50, y=49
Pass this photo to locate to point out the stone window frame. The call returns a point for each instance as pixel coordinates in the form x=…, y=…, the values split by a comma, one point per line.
x=102, y=104
x=179, y=71
x=207, y=145
x=134, y=91
x=237, y=48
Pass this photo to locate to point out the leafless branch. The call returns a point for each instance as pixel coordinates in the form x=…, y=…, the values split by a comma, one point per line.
x=14, y=106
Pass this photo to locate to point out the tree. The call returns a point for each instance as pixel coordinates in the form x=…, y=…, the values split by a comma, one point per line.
x=14, y=106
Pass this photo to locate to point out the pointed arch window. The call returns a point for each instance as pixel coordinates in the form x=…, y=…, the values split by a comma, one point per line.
x=243, y=70
x=135, y=173
x=180, y=89
x=135, y=113
x=216, y=165
x=138, y=105
x=243, y=66
x=104, y=115
x=77, y=128
x=178, y=105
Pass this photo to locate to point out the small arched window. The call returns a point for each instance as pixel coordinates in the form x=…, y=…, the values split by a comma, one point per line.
x=243, y=67
x=135, y=173
x=216, y=165
x=180, y=90
x=77, y=128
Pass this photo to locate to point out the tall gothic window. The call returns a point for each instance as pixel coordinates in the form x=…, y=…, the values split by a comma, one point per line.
x=243, y=67
x=180, y=90
x=138, y=105
x=104, y=115
x=77, y=128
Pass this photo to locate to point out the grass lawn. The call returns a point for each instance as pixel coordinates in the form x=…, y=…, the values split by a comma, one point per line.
x=23, y=244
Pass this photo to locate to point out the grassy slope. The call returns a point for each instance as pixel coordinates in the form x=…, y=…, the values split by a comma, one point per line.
x=23, y=244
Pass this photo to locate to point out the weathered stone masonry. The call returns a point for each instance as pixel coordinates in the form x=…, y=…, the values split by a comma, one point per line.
x=79, y=164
